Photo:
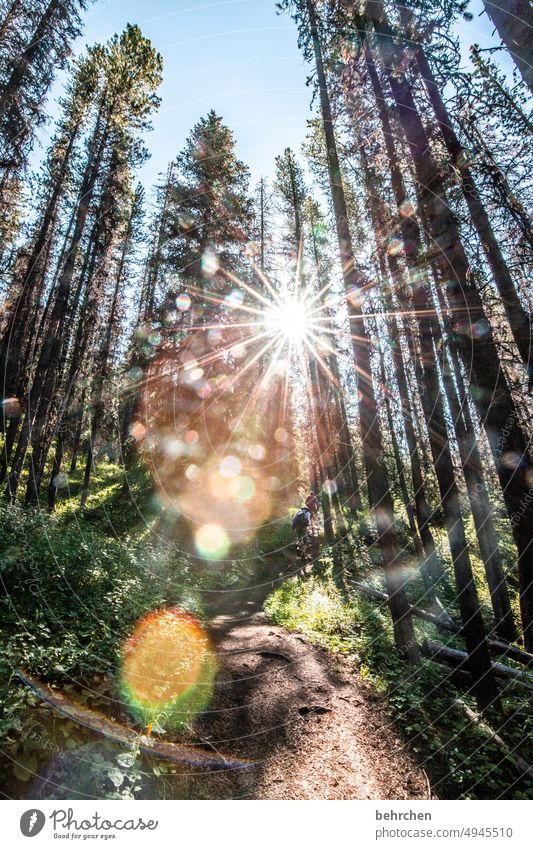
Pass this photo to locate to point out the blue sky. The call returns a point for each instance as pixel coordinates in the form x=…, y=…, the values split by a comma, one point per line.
x=236, y=56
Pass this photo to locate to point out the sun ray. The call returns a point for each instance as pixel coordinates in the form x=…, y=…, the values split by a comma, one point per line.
x=243, y=371
x=321, y=341
x=318, y=295
x=254, y=395
x=325, y=366
x=241, y=284
x=266, y=283
x=221, y=302
x=231, y=326
x=216, y=355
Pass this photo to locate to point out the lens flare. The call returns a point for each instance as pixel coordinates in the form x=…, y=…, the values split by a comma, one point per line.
x=168, y=669
x=183, y=302
x=291, y=320
x=230, y=466
x=212, y=541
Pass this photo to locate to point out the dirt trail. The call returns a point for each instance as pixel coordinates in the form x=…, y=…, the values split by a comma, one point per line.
x=301, y=715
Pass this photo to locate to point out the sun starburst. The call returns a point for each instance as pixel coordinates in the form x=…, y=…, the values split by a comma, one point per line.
x=292, y=319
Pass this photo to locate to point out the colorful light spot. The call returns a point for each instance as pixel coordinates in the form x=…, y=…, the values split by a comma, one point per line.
x=235, y=298
x=192, y=472
x=60, y=481
x=205, y=390
x=191, y=437
x=210, y=263
x=173, y=447
x=476, y=392
x=330, y=487
x=196, y=374
x=185, y=222
x=168, y=669
x=511, y=460
x=245, y=489
x=479, y=328
x=135, y=373
x=281, y=436
x=212, y=542
x=183, y=302
x=137, y=431
x=257, y=451
x=407, y=209
x=355, y=297
x=230, y=466
x=395, y=247
x=12, y=408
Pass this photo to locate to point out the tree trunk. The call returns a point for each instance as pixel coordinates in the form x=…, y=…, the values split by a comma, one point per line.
x=400, y=471
x=22, y=318
x=514, y=21
x=23, y=62
x=474, y=629
x=520, y=322
x=432, y=571
x=481, y=511
x=378, y=485
x=474, y=337
x=43, y=388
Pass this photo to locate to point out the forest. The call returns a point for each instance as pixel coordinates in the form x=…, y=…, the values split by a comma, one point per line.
x=182, y=363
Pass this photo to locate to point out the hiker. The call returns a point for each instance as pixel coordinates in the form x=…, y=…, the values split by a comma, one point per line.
x=300, y=523
x=311, y=503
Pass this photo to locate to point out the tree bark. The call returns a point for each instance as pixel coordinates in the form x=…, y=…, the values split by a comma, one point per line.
x=378, y=485
x=473, y=333
x=514, y=21
x=520, y=322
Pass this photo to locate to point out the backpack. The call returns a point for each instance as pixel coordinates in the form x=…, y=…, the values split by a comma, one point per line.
x=301, y=519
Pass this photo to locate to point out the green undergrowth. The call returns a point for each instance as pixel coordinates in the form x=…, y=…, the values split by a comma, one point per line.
x=72, y=588
x=74, y=583
x=426, y=706
x=359, y=549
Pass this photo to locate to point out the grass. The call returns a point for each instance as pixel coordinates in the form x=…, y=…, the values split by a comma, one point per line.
x=423, y=703
x=75, y=584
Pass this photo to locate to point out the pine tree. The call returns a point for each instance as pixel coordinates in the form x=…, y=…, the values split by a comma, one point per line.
x=210, y=211
x=377, y=479
x=48, y=30
x=514, y=21
x=129, y=72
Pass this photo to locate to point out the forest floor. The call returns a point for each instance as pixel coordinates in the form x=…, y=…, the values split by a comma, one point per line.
x=311, y=728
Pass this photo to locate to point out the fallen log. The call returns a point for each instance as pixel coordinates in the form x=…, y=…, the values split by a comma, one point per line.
x=111, y=729
x=449, y=626
x=521, y=656
x=444, y=624
x=518, y=762
x=459, y=659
